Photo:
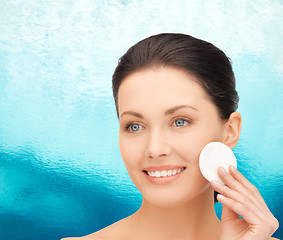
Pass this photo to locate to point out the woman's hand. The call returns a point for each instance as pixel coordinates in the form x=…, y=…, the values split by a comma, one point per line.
x=240, y=197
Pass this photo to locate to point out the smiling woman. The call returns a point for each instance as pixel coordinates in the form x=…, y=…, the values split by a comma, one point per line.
x=174, y=94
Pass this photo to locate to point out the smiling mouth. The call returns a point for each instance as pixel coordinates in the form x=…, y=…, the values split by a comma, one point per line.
x=164, y=173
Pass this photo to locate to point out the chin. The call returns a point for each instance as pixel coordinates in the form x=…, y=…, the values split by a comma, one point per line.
x=165, y=198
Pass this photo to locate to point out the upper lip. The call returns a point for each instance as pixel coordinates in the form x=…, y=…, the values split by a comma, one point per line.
x=163, y=167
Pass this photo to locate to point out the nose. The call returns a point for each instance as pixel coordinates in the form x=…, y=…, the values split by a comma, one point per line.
x=158, y=145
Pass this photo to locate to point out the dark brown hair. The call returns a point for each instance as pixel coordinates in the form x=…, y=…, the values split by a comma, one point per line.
x=202, y=59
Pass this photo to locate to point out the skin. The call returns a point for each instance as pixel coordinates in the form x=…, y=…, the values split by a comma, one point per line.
x=183, y=209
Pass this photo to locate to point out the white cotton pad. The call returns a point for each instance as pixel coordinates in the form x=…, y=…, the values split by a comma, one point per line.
x=214, y=155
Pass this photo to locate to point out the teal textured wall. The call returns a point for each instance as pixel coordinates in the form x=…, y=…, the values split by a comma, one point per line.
x=61, y=173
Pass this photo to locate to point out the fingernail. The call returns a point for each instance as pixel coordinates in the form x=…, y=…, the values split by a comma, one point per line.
x=221, y=197
x=223, y=169
x=233, y=168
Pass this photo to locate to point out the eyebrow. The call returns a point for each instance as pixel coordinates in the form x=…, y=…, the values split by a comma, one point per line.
x=167, y=112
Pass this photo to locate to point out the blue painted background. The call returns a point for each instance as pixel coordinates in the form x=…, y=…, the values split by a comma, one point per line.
x=61, y=173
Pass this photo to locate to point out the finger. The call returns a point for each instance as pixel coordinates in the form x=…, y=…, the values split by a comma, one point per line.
x=242, y=186
x=228, y=214
x=270, y=224
x=241, y=179
x=245, y=201
x=248, y=214
x=247, y=205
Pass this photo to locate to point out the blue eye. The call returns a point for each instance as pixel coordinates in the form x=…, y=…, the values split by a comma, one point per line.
x=181, y=122
x=133, y=127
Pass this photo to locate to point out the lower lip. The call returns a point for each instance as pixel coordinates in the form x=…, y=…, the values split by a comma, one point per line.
x=163, y=180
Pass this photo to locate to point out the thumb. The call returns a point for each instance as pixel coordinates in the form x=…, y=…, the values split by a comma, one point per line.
x=228, y=214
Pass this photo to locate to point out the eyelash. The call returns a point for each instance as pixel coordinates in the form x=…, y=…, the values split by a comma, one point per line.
x=126, y=128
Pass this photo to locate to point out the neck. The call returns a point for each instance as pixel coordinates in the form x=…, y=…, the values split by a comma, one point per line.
x=195, y=219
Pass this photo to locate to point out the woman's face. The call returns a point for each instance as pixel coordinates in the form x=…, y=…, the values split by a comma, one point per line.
x=166, y=119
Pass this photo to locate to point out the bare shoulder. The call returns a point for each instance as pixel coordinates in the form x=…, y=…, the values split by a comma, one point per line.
x=99, y=235
x=117, y=230
x=272, y=238
x=93, y=236
x=84, y=238
x=71, y=238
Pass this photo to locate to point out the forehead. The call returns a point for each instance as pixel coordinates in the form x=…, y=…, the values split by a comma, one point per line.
x=163, y=85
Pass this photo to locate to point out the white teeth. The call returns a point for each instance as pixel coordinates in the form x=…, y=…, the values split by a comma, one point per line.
x=165, y=173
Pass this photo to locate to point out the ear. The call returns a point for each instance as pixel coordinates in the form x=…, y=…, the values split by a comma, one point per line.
x=233, y=129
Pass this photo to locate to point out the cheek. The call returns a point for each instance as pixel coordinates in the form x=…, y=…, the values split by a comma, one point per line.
x=188, y=145
x=185, y=146
x=131, y=152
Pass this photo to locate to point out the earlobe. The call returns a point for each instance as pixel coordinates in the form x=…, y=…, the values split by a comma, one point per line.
x=233, y=129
